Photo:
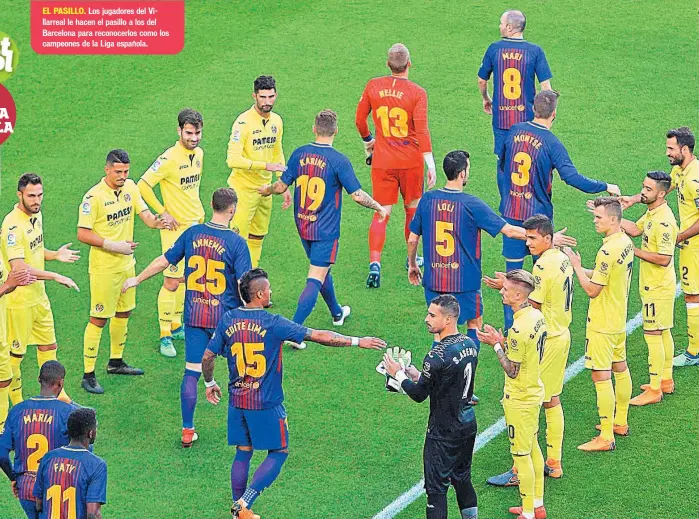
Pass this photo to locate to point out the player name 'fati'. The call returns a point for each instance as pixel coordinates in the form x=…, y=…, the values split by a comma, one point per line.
x=246, y=325
x=208, y=242
x=63, y=467
x=38, y=417
x=313, y=161
x=389, y=92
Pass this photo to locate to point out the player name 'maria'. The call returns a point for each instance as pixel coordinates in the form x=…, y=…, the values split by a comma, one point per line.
x=249, y=326
x=38, y=417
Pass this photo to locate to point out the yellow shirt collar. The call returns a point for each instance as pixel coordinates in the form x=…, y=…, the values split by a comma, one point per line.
x=612, y=236
x=651, y=212
x=521, y=311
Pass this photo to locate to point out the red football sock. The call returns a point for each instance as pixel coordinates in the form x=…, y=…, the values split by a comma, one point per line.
x=377, y=238
x=409, y=213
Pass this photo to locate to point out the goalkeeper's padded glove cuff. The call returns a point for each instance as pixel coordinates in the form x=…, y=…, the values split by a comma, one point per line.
x=429, y=161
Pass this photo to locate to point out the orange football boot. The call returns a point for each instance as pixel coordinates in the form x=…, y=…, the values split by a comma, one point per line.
x=597, y=444
x=539, y=512
x=667, y=386
x=189, y=436
x=649, y=396
x=619, y=430
x=238, y=511
x=553, y=469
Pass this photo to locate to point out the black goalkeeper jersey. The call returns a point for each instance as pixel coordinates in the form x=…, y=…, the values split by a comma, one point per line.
x=447, y=378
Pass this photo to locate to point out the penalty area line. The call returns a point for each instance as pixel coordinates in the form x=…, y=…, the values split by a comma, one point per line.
x=413, y=494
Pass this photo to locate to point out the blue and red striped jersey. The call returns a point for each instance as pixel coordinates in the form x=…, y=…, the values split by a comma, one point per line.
x=320, y=173
x=215, y=258
x=450, y=223
x=532, y=152
x=33, y=428
x=514, y=63
x=69, y=478
x=251, y=341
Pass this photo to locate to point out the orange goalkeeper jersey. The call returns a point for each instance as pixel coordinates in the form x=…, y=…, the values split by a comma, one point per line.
x=399, y=109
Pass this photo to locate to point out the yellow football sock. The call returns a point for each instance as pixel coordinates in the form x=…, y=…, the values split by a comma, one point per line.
x=693, y=328
x=623, y=391
x=605, y=408
x=4, y=405
x=118, y=329
x=91, y=346
x=166, y=309
x=16, y=384
x=555, y=423
x=538, y=464
x=656, y=359
x=669, y=348
x=44, y=356
x=525, y=471
x=255, y=246
x=179, y=307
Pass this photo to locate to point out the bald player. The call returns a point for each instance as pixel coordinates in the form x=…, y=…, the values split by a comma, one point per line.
x=399, y=111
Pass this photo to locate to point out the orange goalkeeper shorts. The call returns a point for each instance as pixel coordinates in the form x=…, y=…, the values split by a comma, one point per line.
x=387, y=183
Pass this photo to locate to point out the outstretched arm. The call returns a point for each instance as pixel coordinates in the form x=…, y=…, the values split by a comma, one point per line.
x=156, y=266
x=336, y=340
x=277, y=188
x=630, y=228
x=583, y=274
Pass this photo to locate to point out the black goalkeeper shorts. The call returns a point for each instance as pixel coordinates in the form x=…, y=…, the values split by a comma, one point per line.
x=447, y=462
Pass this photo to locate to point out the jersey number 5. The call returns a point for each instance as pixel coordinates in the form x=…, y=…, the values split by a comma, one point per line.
x=207, y=276
x=248, y=359
x=444, y=238
x=394, y=122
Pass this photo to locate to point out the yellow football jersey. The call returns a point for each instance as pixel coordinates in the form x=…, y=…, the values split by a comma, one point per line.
x=4, y=269
x=254, y=142
x=525, y=344
x=178, y=171
x=110, y=214
x=613, y=269
x=687, y=183
x=553, y=279
x=23, y=238
x=659, y=235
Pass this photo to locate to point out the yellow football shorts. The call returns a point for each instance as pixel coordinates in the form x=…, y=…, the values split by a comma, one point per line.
x=689, y=269
x=553, y=364
x=522, y=427
x=167, y=239
x=253, y=211
x=658, y=314
x=106, y=298
x=5, y=368
x=32, y=325
x=603, y=349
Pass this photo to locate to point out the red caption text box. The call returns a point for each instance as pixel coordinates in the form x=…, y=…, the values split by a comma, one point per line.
x=107, y=27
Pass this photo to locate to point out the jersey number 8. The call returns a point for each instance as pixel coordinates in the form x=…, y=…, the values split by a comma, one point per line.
x=511, y=79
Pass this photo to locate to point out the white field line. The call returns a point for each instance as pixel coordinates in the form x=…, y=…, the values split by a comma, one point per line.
x=412, y=495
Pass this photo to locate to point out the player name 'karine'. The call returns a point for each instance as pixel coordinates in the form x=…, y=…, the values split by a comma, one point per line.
x=313, y=161
x=249, y=326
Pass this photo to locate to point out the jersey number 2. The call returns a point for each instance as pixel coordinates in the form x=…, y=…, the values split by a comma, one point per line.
x=41, y=446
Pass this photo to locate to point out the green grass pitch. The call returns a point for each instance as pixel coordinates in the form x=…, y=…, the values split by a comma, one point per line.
x=627, y=72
